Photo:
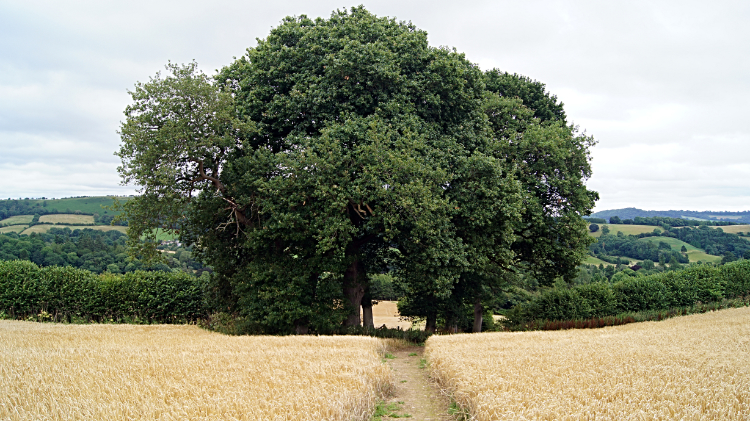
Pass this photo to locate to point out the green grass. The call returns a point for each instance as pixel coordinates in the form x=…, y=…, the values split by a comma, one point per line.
x=12, y=228
x=675, y=243
x=734, y=229
x=694, y=254
x=700, y=255
x=389, y=410
x=165, y=236
x=626, y=229
x=18, y=220
x=591, y=260
x=67, y=218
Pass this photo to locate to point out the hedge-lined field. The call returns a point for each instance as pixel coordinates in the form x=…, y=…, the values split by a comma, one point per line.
x=71, y=219
x=695, y=284
x=695, y=367
x=68, y=294
x=168, y=372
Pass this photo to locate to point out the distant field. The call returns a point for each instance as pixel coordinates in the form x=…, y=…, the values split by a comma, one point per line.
x=44, y=228
x=694, y=254
x=591, y=260
x=84, y=204
x=164, y=236
x=18, y=220
x=626, y=229
x=699, y=255
x=675, y=243
x=734, y=229
x=172, y=372
x=67, y=219
x=725, y=216
x=685, y=368
x=12, y=228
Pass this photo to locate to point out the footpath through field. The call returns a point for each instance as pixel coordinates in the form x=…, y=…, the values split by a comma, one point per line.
x=414, y=394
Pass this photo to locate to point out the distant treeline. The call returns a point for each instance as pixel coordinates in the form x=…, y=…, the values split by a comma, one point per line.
x=659, y=221
x=12, y=207
x=632, y=213
x=713, y=241
x=89, y=249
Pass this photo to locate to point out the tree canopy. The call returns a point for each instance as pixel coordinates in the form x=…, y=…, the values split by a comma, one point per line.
x=345, y=146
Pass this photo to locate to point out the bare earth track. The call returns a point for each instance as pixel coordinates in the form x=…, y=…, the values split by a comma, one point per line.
x=414, y=393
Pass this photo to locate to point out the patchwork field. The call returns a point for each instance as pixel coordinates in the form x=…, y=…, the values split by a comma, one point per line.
x=694, y=254
x=734, y=229
x=18, y=220
x=673, y=242
x=168, y=372
x=591, y=260
x=701, y=256
x=12, y=228
x=626, y=229
x=694, y=367
x=67, y=219
x=44, y=228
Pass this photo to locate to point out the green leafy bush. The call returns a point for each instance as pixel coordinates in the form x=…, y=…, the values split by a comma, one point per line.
x=74, y=294
x=696, y=285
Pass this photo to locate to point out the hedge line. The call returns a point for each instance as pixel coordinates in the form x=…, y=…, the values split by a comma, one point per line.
x=69, y=294
x=662, y=291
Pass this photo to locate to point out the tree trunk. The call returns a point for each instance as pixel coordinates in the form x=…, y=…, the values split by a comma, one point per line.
x=477, y=315
x=354, y=290
x=301, y=329
x=367, y=320
x=431, y=323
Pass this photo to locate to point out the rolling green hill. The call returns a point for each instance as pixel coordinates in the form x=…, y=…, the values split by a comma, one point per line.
x=694, y=254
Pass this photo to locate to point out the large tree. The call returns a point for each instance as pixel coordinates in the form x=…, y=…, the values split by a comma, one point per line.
x=335, y=144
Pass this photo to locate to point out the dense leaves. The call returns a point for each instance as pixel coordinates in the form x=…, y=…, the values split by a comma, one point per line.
x=342, y=147
x=695, y=284
x=69, y=294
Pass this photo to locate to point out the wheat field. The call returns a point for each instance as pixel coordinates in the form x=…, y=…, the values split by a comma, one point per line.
x=170, y=372
x=690, y=368
x=67, y=219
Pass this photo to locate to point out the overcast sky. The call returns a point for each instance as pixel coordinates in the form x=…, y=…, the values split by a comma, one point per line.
x=663, y=86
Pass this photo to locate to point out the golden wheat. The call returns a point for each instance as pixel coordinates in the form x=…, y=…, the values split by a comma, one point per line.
x=690, y=368
x=128, y=372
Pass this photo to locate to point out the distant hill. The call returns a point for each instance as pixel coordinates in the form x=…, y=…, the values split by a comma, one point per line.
x=87, y=205
x=630, y=213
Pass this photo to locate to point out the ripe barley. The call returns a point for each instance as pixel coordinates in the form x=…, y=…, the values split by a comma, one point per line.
x=167, y=372
x=693, y=368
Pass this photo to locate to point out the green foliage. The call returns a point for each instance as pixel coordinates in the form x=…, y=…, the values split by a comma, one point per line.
x=382, y=287
x=74, y=294
x=341, y=147
x=593, y=227
x=89, y=249
x=697, y=284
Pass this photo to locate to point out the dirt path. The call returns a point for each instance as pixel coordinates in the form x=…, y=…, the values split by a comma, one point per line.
x=414, y=394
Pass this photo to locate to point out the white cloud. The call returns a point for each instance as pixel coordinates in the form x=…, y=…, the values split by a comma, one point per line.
x=662, y=86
